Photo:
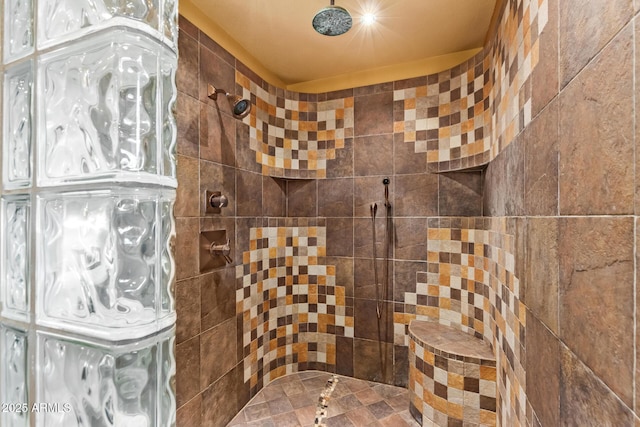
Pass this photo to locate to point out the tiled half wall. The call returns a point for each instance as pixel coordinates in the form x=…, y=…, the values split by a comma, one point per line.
x=471, y=284
x=289, y=305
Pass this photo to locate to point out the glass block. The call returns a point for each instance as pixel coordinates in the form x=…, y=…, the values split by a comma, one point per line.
x=167, y=262
x=170, y=21
x=13, y=377
x=166, y=390
x=98, y=263
x=62, y=20
x=15, y=264
x=99, y=117
x=168, y=67
x=18, y=29
x=105, y=384
x=17, y=126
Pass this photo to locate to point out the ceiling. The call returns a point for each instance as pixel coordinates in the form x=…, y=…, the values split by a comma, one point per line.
x=409, y=38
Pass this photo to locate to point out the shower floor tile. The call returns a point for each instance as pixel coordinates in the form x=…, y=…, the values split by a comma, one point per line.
x=291, y=401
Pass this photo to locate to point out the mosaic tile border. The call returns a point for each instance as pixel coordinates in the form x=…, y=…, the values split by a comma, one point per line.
x=288, y=303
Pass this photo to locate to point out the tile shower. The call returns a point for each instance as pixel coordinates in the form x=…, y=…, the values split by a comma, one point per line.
x=527, y=149
x=499, y=153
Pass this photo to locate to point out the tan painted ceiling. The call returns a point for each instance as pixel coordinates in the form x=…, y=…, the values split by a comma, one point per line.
x=409, y=38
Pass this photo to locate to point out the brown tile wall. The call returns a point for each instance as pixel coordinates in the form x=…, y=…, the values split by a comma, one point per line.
x=569, y=176
x=210, y=384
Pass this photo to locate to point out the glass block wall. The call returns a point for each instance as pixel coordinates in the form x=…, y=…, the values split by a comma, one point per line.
x=88, y=185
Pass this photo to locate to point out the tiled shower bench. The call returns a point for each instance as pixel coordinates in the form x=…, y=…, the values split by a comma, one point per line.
x=452, y=376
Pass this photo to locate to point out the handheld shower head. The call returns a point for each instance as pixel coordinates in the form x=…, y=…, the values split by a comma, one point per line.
x=240, y=108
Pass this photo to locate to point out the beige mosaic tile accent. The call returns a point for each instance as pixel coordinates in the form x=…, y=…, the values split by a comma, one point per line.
x=289, y=305
x=514, y=58
x=449, y=118
x=294, y=135
x=466, y=116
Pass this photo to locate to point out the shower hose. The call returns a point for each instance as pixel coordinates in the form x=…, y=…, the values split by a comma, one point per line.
x=374, y=210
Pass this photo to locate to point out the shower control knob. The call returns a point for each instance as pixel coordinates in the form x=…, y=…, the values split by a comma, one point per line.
x=222, y=250
x=218, y=201
x=213, y=201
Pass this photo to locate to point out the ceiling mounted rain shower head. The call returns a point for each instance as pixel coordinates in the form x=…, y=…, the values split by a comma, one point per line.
x=332, y=20
x=240, y=108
